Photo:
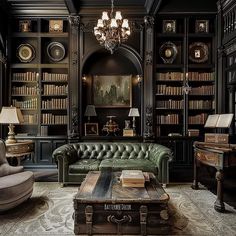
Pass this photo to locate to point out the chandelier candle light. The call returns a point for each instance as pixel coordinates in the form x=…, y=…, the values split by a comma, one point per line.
x=112, y=30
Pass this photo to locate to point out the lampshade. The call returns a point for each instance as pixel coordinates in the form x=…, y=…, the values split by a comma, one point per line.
x=90, y=111
x=134, y=112
x=11, y=115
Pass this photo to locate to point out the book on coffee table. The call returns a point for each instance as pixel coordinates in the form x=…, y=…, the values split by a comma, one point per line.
x=132, y=178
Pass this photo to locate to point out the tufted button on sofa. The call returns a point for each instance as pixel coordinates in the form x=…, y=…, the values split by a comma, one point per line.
x=75, y=160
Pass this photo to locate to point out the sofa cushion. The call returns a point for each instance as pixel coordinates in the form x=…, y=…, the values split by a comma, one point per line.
x=83, y=166
x=131, y=164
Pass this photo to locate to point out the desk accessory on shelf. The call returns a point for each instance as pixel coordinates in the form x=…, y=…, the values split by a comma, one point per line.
x=127, y=131
x=55, y=26
x=218, y=121
x=56, y=51
x=111, y=127
x=11, y=115
x=25, y=52
x=25, y=26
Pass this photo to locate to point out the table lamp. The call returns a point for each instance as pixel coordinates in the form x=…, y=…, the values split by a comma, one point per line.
x=90, y=111
x=11, y=115
x=133, y=112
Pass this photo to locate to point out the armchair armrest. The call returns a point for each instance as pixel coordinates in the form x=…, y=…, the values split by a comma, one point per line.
x=161, y=156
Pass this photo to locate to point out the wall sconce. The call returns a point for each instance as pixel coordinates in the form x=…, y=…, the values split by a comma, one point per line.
x=84, y=78
x=11, y=115
x=139, y=79
x=90, y=111
x=133, y=112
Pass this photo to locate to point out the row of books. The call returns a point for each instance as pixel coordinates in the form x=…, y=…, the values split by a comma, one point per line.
x=27, y=104
x=170, y=104
x=30, y=118
x=25, y=76
x=169, y=90
x=24, y=90
x=34, y=76
x=201, y=104
x=55, y=77
x=190, y=76
x=55, y=103
x=168, y=119
x=51, y=89
x=173, y=90
x=170, y=76
x=202, y=90
x=201, y=76
x=198, y=119
x=49, y=118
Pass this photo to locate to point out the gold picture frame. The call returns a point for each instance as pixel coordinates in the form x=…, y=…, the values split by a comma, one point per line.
x=202, y=26
x=112, y=91
x=55, y=26
x=169, y=26
x=91, y=129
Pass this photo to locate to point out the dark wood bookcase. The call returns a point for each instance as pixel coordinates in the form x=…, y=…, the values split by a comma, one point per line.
x=185, y=74
x=39, y=80
x=185, y=84
x=227, y=61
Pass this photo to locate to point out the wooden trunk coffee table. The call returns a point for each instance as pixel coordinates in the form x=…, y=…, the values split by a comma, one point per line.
x=103, y=207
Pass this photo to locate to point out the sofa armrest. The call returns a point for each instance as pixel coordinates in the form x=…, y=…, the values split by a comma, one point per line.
x=161, y=156
x=66, y=154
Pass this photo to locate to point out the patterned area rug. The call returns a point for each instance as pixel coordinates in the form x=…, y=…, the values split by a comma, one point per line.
x=50, y=209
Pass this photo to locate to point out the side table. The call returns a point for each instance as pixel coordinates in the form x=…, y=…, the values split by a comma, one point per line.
x=19, y=149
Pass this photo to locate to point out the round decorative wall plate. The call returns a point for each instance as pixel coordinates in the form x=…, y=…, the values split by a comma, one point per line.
x=56, y=51
x=168, y=52
x=25, y=53
x=198, y=52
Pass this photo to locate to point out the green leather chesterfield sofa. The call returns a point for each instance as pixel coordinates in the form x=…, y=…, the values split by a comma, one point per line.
x=75, y=160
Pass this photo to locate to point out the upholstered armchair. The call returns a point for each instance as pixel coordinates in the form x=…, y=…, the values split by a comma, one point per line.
x=16, y=185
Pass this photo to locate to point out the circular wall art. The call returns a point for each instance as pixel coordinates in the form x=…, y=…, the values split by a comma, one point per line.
x=168, y=52
x=56, y=51
x=198, y=52
x=25, y=53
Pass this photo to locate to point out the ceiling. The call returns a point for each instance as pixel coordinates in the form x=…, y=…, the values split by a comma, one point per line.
x=65, y=7
x=89, y=8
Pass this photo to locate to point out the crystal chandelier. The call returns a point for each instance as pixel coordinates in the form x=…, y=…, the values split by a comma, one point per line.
x=112, y=30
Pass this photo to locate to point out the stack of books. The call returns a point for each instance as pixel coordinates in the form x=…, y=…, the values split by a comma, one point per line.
x=132, y=178
x=193, y=132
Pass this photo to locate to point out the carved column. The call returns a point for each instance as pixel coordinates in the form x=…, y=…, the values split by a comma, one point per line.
x=73, y=117
x=148, y=131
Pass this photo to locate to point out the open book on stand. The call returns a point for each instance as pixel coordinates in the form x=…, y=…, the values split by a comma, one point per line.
x=218, y=121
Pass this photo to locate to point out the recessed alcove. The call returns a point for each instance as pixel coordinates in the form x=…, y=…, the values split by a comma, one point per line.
x=123, y=62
